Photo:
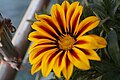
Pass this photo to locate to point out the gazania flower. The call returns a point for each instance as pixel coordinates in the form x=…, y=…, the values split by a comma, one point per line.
x=60, y=42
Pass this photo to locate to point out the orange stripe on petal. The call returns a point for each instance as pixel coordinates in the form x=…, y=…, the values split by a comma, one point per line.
x=75, y=18
x=86, y=42
x=36, y=67
x=50, y=21
x=79, y=59
x=43, y=17
x=44, y=28
x=48, y=61
x=41, y=44
x=35, y=57
x=65, y=6
x=34, y=36
x=47, y=28
x=70, y=12
x=34, y=53
x=100, y=40
x=59, y=64
x=68, y=69
x=57, y=13
x=91, y=54
x=87, y=24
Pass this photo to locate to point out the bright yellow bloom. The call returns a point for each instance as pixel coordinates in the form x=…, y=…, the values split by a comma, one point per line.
x=60, y=43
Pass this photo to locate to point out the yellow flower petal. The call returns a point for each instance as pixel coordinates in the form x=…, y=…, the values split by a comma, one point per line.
x=86, y=42
x=87, y=24
x=79, y=59
x=44, y=28
x=50, y=21
x=41, y=42
x=68, y=69
x=36, y=67
x=34, y=53
x=91, y=54
x=58, y=14
x=75, y=18
x=100, y=40
x=70, y=12
x=59, y=64
x=40, y=54
x=38, y=50
x=48, y=62
x=35, y=36
x=65, y=6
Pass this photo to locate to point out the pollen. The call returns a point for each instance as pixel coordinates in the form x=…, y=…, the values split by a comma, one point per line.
x=66, y=42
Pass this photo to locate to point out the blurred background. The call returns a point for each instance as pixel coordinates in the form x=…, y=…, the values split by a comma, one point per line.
x=14, y=9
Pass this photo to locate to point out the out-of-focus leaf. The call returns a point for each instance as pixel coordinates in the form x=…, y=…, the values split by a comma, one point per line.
x=105, y=8
x=111, y=6
x=104, y=67
x=108, y=71
x=113, y=75
x=99, y=8
x=113, y=47
x=115, y=6
x=87, y=11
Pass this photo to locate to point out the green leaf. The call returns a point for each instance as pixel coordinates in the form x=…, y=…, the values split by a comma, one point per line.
x=113, y=47
x=115, y=6
x=113, y=75
x=87, y=11
x=108, y=71
x=110, y=6
x=105, y=8
x=103, y=66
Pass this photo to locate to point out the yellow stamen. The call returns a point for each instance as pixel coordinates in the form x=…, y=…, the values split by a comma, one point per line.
x=66, y=42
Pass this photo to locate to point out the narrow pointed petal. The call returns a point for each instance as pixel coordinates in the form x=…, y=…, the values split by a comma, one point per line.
x=59, y=64
x=48, y=62
x=35, y=36
x=79, y=59
x=43, y=43
x=50, y=21
x=65, y=6
x=58, y=14
x=34, y=53
x=100, y=40
x=41, y=46
x=91, y=54
x=75, y=18
x=70, y=12
x=86, y=42
x=87, y=24
x=38, y=51
x=40, y=54
x=43, y=27
x=36, y=67
x=68, y=69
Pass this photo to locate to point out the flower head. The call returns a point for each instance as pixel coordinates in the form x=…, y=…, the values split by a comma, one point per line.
x=60, y=43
